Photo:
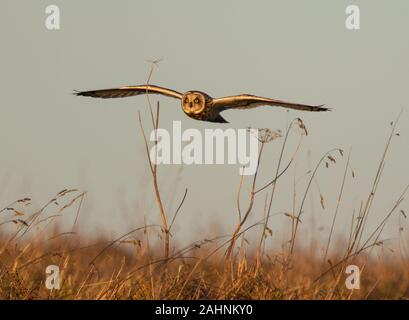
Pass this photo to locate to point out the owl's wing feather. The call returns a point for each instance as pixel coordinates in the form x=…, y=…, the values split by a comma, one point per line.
x=129, y=91
x=246, y=101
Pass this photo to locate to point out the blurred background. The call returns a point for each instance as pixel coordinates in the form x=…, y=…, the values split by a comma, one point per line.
x=294, y=50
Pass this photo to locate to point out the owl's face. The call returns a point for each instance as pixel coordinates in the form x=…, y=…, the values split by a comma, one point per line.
x=193, y=103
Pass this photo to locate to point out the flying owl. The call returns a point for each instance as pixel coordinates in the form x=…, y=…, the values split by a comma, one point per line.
x=197, y=104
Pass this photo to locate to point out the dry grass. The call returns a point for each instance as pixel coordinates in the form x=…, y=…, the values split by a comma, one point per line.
x=139, y=266
x=120, y=273
x=135, y=266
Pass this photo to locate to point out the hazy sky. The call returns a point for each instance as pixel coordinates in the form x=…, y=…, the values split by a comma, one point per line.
x=293, y=50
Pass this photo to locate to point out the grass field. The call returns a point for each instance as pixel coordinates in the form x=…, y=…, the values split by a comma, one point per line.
x=146, y=263
x=92, y=271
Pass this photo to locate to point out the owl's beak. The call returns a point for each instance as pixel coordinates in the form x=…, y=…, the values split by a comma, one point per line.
x=190, y=105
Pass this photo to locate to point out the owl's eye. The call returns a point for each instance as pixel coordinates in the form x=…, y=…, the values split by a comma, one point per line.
x=186, y=100
x=196, y=100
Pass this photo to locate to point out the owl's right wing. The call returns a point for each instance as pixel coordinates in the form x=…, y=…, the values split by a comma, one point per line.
x=246, y=101
x=129, y=91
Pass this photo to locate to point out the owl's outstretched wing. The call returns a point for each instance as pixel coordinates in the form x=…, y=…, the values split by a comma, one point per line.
x=129, y=91
x=246, y=101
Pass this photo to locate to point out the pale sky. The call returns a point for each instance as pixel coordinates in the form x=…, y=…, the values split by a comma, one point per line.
x=294, y=50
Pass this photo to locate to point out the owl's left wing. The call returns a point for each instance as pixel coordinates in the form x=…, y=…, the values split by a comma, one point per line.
x=129, y=91
x=246, y=101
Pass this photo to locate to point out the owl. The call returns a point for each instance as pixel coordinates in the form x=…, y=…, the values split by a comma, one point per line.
x=197, y=104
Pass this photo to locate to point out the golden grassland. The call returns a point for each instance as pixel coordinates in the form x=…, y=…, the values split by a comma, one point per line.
x=93, y=271
x=146, y=263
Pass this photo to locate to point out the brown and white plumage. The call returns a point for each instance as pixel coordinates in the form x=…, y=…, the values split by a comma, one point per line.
x=247, y=101
x=128, y=91
x=197, y=104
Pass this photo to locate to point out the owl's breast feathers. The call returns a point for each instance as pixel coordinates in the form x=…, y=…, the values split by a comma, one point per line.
x=210, y=113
